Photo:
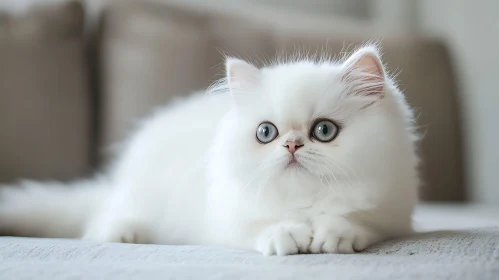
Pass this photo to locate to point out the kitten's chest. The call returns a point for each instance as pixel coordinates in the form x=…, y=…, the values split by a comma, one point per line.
x=307, y=207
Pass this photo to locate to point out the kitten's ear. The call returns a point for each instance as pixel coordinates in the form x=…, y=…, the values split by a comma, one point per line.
x=363, y=71
x=241, y=74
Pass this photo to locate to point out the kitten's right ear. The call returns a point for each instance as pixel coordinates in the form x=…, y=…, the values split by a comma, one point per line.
x=364, y=71
x=241, y=74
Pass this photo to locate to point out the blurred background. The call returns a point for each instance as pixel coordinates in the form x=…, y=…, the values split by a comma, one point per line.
x=76, y=75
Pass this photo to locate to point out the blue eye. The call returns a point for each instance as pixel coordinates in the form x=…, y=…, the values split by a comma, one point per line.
x=266, y=132
x=324, y=130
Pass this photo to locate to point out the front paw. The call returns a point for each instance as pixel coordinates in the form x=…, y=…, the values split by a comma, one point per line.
x=340, y=236
x=285, y=239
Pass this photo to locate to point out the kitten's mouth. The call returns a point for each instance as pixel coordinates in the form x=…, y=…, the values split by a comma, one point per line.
x=292, y=163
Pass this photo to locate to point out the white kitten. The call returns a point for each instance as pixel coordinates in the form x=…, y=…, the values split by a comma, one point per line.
x=298, y=156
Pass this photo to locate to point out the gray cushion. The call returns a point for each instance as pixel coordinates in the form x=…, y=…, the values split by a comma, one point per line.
x=466, y=254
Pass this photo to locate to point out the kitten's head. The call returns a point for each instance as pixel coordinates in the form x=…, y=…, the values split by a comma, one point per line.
x=309, y=125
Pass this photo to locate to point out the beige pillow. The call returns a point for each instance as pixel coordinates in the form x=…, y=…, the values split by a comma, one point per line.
x=44, y=96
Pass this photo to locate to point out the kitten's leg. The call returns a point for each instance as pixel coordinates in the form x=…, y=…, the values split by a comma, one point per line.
x=120, y=222
x=120, y=230
x=340, y=235
x=285, y=238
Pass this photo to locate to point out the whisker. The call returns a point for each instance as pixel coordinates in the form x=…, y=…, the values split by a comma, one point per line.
x=342, y=170
x=338, y=185
x=331, y=163
x=263, y=165
x=347, y=166
x=261, y=189
x=316, y=153
x=325, y=177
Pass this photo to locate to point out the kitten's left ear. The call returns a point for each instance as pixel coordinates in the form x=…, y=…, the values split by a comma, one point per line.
x=241, y=74
x=363, y=71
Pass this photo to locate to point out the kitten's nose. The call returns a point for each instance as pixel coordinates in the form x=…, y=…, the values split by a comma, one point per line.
x=293, y=146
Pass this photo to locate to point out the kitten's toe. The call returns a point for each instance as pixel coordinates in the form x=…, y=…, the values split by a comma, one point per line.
x=332, y=242
x=285, y=239
x=333, y=235
x=119, y=232
x=324, y=243
x=362, y=241
x=345, y=246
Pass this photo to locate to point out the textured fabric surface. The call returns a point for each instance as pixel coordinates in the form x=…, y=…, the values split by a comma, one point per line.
x=463, y=254
x=44, y=98
x=152, y=53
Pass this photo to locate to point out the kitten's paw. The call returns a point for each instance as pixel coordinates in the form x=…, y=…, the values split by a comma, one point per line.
x=285, y=239
x=340, y=236
x=119, y=232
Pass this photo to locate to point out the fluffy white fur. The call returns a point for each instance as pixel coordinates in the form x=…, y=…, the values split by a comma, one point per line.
x=194, y=173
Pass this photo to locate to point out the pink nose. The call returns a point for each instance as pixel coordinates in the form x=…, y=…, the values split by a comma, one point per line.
x=293, y=146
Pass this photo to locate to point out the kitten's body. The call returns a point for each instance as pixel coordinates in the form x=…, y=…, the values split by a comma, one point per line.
x=194, y=173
